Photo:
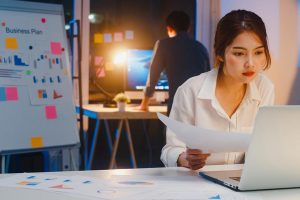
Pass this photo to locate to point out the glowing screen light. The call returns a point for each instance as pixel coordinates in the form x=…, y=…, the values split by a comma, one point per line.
x=120, y=58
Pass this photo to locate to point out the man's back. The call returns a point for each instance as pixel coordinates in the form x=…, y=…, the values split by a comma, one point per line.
x=182, y=58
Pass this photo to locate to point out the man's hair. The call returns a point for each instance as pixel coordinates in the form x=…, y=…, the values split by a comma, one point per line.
x=178, y=20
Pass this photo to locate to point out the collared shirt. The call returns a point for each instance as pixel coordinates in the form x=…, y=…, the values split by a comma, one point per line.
x=195, y=103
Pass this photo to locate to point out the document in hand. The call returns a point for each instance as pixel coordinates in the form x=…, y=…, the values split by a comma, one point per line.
x=209, y=141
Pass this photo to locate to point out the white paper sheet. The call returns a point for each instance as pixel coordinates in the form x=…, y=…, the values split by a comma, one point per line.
x=209, y=141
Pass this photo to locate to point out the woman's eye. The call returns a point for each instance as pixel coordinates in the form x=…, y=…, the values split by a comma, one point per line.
x=259, y=52
x=238, y=53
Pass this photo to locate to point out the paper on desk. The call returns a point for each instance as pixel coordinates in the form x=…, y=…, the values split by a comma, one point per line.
x=209, y=141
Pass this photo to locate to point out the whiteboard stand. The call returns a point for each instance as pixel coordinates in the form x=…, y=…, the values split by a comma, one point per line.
x=74, y=35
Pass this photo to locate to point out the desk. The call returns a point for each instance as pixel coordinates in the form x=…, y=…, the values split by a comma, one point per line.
x=98, y=112
x=179, y=175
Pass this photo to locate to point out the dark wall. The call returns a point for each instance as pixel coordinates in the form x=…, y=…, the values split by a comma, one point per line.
x=146, y=18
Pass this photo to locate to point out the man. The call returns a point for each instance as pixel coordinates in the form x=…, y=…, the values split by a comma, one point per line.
x=180, y=56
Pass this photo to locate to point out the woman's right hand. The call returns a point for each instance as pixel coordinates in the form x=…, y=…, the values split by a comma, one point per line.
x=193, y=159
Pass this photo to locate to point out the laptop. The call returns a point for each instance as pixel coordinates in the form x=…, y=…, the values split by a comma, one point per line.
x=273, y=157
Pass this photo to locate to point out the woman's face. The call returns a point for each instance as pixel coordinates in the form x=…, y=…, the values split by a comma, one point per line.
x=244, y=58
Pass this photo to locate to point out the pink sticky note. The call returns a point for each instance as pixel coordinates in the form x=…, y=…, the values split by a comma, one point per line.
x=12, y=94
x=98, y=60
x=118, y=37
x=50, y=112
x=100, y=72
x=56, y=48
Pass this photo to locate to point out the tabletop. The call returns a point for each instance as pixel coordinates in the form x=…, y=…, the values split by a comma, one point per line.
x=97, y=111
x=172, y=177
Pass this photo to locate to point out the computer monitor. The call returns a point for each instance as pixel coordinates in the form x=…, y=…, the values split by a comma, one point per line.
x=138, y=64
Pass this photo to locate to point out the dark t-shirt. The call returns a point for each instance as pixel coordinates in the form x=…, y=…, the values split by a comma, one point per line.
x=181, y=57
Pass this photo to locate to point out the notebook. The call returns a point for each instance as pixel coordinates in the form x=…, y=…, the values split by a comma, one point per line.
x=273, y=158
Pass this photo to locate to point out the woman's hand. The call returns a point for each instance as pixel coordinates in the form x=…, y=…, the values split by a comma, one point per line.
x=193, y=159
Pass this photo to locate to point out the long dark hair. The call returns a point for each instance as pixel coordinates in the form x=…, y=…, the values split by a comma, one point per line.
x=235, y=23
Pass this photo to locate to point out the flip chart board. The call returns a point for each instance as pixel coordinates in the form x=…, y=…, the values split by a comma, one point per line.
x=36, y=102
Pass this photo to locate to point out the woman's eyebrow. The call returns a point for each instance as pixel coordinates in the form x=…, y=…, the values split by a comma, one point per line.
x=243, y=48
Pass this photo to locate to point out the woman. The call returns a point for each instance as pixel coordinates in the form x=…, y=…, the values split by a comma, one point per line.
x=226, y=98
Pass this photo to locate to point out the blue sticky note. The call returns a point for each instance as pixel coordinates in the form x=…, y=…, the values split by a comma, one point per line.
x=2, y=94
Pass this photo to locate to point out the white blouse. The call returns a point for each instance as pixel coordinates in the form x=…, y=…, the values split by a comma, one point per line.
x=195, y=103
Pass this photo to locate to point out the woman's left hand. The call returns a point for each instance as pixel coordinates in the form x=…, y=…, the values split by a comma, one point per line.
x=196, y=159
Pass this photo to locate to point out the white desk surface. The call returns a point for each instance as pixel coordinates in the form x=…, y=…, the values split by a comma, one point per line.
x=27, y=194
x=97, y=111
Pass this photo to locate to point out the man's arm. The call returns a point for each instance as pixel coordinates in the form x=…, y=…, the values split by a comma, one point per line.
x=145, y=103
x=156, y=67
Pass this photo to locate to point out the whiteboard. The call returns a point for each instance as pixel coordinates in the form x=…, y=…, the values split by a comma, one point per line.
x=36, y=102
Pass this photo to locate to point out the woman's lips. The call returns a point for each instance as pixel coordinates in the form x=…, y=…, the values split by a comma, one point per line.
x=248, y=73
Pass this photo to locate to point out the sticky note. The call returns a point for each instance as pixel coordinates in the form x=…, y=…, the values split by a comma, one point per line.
x=2, y=94
x=98, y=38
x=118, y=37
x=36, y=142
x=100, y=72
x=98, y=60
x=129, y=35
x=50, y=112
x=107, y=37
x=55, y=48
x=11, y=43
x=12, y=94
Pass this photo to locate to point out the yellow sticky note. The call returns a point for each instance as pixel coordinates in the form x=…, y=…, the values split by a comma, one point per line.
x=11, y=43
x=98, y=38
x=36, y=142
